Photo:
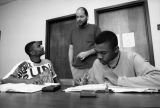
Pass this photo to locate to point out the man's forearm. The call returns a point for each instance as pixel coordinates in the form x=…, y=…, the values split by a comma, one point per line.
x=90, y=52
x=70, y=54
x=13, y=80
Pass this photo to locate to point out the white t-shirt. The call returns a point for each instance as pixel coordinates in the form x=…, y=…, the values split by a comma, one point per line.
x=28, y=69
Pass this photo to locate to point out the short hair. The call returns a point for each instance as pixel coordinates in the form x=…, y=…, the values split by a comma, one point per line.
x=84, y=9
x=28, y=47
x=107, y=36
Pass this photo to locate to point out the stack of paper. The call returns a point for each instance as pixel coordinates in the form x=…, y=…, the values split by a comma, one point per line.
x=24, y=88
x=116, y=89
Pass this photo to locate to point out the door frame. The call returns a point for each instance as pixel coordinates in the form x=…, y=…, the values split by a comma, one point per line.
x=47, y=42
x=143, y=3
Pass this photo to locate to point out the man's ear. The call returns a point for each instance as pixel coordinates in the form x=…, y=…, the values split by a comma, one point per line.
x=32, y=52
x=116, y=49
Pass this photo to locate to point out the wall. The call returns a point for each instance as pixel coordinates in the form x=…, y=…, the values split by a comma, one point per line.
x=154, y=11
x=22, y=21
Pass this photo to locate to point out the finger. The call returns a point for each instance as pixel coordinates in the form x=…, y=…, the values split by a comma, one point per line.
x=109, y=81
x=76, y=82
x=82, y=58
x=39, y=82
x=35, y=82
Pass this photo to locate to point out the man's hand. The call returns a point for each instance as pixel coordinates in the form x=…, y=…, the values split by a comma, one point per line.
x=111, y=78
x=83, y=55
x=81, y=81
x=35, y=80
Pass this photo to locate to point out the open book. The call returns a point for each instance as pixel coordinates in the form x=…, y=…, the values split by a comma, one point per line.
x=105, y=87
x=23, y=88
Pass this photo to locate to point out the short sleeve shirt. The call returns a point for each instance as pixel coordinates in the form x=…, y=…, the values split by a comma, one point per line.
x=28, y=69
x=83, y=39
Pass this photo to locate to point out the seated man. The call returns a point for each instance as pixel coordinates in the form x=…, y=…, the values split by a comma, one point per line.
x=120, y=67
x=33, y=71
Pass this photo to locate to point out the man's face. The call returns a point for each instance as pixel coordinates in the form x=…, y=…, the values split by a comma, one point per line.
x=38, y=49
x=81, y=18
x=105, y=53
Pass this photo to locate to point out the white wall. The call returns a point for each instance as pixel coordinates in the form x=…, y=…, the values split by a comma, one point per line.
x=22, y=21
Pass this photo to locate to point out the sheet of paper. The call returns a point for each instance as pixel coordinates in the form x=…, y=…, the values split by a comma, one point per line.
x=120, y=89
x=128, y=39
x=22, y=87
x=93, y=87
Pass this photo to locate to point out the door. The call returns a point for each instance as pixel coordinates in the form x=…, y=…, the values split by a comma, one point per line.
x=58, y=30
x=130, y=22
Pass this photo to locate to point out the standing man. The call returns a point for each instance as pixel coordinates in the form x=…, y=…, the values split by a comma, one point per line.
x=81, y=48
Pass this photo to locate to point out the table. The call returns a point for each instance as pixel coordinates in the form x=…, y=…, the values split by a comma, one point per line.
x=61, y=99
